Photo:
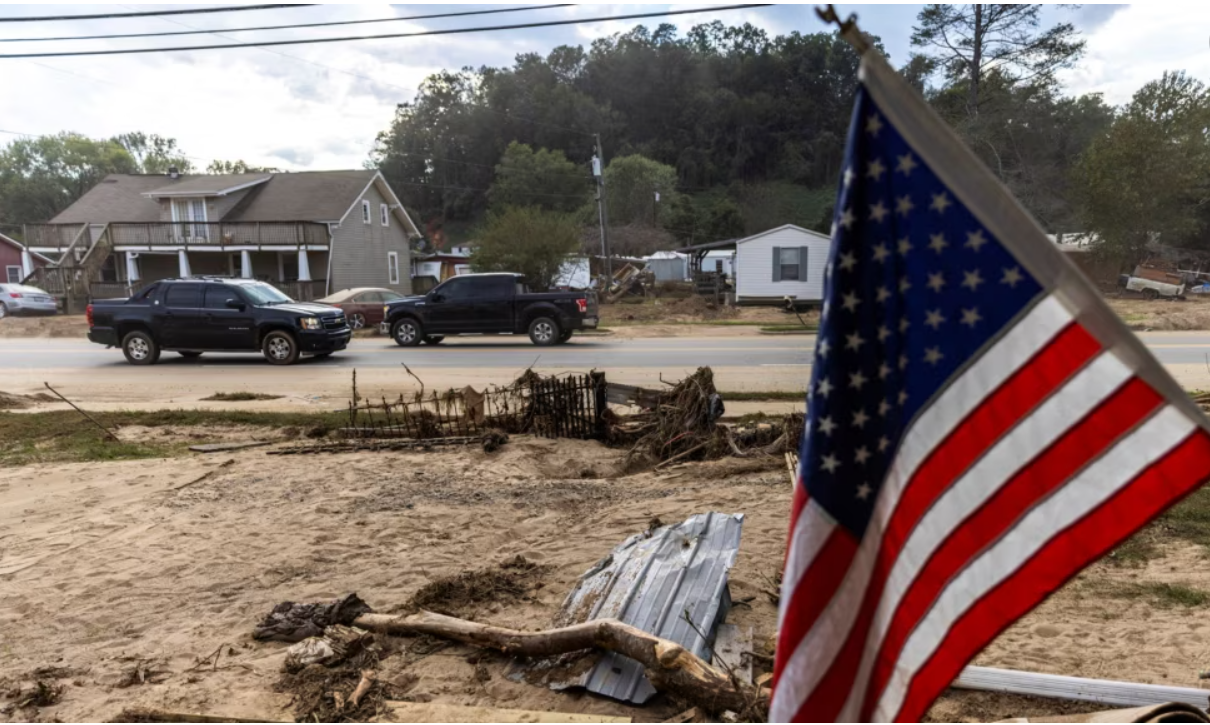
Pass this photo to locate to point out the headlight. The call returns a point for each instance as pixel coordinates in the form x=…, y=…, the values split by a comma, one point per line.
x=310, y=323
x=386, y=310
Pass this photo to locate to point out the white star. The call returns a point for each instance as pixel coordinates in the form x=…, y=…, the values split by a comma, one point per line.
x=935, y=318
x=1012, y=277
x=854, y=341
x=884, y=370
x=933, y=355
x=971, y=316
x=823, y=387
x=902, y=397
x=937, y=243
x=829, y=463
x=883, y=333
x=972, y=280
x=862, y=455
x=823, y=347
x=857, y=380
x=848, y=177
x=903, y=363
x=875, y=170
x=850, y=301
x=883, y=444
x=824, y=313
x=847, y=219
x=903, y=205
x=906, y=164
x=860, y=418
x=904, y=284
x=864, y=491
x=873, y=125
x=847, y=260
x=904, y=325
x=905, y=246
x=936, y=281
x=883, y=293
x=878, y=212
x=975, y=240
x=832, y=231
x=940, y=202
x=827, y=271
x=883, y=408
x=881, y=252
x=826, y=426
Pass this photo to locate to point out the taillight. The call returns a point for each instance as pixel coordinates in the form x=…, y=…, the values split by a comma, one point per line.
x=88, y=315
x=582, y=303
x=15, y=295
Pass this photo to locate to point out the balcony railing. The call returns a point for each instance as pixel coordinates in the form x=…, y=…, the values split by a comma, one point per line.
x=186, y=234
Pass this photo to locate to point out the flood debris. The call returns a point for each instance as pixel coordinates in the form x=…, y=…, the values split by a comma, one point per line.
x=337, y=645
x=43, y=694
x=294, y=622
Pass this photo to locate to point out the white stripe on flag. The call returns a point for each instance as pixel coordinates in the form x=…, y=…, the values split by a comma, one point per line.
x=1082, y=495
x=1031, y=437
x=813, y=528
x=822, y=642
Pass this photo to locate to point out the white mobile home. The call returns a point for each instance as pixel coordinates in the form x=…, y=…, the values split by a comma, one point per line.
x=787, y=261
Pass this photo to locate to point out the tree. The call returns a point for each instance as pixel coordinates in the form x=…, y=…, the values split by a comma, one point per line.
x=1149, y=177
x=239, y=167
x=542, y=178
x=153, y=153
x=631, y=183
x=526, y=240
x=971, y=40
x=42, y=176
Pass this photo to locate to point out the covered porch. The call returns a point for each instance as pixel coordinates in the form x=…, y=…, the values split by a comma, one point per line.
x=301, y=275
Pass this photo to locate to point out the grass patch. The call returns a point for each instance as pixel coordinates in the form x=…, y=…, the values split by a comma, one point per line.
x=790, y=328
x=765, y=395
x=1188, y=521
x=63, y=436
x=1135, y=551
x=242, y=396
x=1161, y=595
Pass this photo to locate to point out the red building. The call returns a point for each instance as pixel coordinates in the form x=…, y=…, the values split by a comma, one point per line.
x=12, y=269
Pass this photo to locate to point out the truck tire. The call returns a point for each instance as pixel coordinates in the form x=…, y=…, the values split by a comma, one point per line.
x=1151, y=294
x=140, y=348
x=565, y=336
x=190, y=354
x=407, y=332
x=544, y=331
x=280, y=348
x=433, y=339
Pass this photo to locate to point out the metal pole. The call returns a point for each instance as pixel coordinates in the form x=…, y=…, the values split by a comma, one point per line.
x=603, y=213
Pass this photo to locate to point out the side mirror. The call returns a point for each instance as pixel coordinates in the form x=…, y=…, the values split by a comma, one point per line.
x=236, y=305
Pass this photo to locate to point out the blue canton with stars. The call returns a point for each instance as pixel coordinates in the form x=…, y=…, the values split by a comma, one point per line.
x=915, y=286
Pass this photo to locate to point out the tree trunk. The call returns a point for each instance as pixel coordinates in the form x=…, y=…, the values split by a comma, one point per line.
x=670, y=667
x=972, y=101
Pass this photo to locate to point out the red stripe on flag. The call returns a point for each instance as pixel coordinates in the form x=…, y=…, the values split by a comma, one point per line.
x=1083, y=442
x=801, y=497
x=1020, y=394
x=1180, y=471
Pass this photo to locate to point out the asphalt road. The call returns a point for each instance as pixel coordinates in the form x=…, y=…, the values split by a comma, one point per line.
x=517, y=353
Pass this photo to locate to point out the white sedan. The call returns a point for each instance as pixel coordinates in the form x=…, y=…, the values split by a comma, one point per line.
x=18, y=299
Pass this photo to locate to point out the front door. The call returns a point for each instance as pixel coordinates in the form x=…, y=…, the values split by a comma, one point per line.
x=184, y=326
x=492, y=303
x=451, y=307
x=228, y=328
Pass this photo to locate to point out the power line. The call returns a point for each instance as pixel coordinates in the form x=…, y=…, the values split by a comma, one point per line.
x=449, y=31
x=147, y=13
x=287, y=27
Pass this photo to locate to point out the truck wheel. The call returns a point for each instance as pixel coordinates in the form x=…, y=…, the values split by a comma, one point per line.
x=190, y=354
x=544, y=331
x=280, y=348
x=1151, y=294
x=140, y=348
x=433, y=339
x=565, y=336
x=407, y=332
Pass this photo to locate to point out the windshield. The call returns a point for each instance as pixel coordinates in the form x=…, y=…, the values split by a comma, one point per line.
x=263, y=294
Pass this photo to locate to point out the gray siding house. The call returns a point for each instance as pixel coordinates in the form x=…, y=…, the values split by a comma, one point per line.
x=308, y=233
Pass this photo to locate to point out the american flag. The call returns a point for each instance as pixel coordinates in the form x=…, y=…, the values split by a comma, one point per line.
x=980, y=426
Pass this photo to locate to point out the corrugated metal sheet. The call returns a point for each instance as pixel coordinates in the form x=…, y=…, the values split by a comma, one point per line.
x=671, y=582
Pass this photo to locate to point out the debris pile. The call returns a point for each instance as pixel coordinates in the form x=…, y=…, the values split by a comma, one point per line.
x=678, y=424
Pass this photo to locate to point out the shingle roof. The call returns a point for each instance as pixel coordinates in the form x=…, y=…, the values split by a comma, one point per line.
x=321, y=196
x=208, y=185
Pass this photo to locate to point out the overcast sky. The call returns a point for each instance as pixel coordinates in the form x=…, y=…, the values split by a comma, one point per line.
x=320, y=106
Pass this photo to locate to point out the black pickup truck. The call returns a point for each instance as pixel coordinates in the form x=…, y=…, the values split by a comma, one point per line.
x=215, y=314
x=489, y=304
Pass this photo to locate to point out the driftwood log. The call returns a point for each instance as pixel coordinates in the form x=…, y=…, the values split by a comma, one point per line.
x=670, y=667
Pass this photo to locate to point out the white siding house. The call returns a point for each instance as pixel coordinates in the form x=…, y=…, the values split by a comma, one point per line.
x=787, y=261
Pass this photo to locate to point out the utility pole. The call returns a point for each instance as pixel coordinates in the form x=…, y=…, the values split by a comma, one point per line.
x=598, y=170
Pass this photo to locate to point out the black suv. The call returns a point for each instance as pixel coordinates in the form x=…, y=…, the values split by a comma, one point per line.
x=216, y=314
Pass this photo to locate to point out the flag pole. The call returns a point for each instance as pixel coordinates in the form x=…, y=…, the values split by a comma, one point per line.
x=848, y=28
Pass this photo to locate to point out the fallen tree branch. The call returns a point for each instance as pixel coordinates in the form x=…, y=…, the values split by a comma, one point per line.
x=670, y=667
x=91, y=419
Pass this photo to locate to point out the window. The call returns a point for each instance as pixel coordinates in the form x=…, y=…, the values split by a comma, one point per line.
x=384, y=212
x=492, y=288
x=390, y=296
x=217, y=296
x=789, y=264
x=264, y=294
x=13, y=274
x=365, y=211
x=185, y=211
x=186, y=295
x=456, y=289
x=393, y=267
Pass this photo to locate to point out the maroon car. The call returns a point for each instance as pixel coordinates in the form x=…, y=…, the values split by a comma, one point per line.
x=362, y=305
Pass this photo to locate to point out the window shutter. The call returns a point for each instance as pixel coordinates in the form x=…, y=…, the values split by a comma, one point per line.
x=802, y=264
x=777, y=264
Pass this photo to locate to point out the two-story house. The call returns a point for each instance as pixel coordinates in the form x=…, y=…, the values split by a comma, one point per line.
x=309, y=233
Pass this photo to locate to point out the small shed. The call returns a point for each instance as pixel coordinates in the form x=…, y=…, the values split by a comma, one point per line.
x=668, y=266
x=787, y=261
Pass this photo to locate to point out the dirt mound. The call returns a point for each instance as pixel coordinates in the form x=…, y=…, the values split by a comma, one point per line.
x=462, y=594
x=57, y=326
x=13, y=401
